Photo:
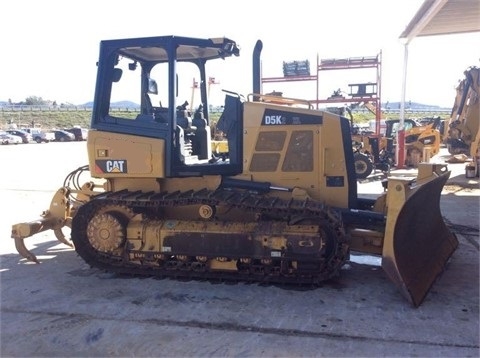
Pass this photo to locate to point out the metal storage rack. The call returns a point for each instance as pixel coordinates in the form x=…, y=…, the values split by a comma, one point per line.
x=359, y=92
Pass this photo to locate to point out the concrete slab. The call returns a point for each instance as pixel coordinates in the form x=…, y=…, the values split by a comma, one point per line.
x=62, y=307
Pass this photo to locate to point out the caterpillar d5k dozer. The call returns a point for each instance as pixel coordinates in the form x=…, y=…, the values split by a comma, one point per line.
x=282, y=208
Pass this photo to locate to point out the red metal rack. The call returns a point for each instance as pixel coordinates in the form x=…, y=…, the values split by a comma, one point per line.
x=359, y=92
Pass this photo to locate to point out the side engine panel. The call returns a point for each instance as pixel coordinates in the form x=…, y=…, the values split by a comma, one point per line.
x=295, y=147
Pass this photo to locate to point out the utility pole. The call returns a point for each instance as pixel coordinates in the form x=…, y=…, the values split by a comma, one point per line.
x=194, y=87
x=211, y=81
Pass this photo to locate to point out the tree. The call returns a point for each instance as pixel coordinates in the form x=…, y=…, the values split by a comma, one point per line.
x=35, y=101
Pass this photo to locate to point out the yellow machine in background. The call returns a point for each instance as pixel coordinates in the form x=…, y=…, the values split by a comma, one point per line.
x=462, y=130
x=421, y=142
x=282, y=208
x=372, y=151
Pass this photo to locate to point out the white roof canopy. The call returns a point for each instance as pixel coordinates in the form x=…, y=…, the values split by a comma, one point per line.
x=444, y=17
x=435, y=17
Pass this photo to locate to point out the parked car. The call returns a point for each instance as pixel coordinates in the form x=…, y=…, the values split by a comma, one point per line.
x=40, y=135
x=26, y=137
x=80, y=133
x=6, y=138
x=63, y=136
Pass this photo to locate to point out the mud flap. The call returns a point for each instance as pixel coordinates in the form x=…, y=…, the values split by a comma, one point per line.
x=417, y=242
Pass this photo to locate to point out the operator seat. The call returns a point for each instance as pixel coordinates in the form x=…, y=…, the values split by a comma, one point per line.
x=184, y=120
x=202, y=141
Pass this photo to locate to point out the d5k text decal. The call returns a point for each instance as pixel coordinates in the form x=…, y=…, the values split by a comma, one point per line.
x=273, y=117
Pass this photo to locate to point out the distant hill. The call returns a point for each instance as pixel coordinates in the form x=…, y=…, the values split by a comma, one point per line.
x=120, y=104
x=411, y=105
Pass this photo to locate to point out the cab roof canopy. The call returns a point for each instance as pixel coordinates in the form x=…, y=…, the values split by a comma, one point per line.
x=154, y=49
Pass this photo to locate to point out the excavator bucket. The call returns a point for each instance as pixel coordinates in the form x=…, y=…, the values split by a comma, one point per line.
x=417, y=243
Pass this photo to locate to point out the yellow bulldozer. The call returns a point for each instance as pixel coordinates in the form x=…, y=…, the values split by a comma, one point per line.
x=282, y=208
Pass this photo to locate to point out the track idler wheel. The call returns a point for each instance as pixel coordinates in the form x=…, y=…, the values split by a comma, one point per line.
x=98, y=229
x=106, y=232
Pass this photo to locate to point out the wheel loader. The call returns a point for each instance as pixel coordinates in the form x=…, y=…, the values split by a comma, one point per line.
x=281, y=209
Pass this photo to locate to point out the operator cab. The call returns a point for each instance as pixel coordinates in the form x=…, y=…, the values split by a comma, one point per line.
x=141, y=90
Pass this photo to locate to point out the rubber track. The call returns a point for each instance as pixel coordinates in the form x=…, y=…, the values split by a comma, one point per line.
x=267, y=206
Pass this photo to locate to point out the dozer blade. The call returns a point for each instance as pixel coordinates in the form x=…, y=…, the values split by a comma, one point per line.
x=417, y=243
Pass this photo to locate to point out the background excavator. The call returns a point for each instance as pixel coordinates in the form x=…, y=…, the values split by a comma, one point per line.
x=282, y=208
x=462, y=130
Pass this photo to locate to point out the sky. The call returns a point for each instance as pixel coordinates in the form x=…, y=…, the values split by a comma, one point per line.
x=50, y=47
